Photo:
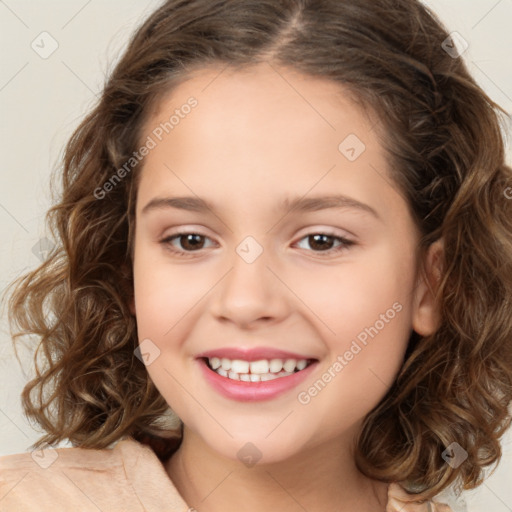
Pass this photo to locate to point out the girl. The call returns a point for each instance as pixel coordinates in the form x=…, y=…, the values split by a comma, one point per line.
x=283, y=271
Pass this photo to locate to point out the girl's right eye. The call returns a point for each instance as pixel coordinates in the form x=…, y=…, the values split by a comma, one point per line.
x=190, y=242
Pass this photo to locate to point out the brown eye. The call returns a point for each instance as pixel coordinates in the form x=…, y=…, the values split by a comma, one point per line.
x=323, y=242
x=191, y=241
x=186, y=242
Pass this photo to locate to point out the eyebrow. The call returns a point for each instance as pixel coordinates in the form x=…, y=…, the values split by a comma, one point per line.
x=300, y=204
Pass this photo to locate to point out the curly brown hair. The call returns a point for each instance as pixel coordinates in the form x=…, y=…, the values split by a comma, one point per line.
x=446, y=151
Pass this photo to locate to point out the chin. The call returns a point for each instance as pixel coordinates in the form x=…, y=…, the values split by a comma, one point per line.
x=254, y=447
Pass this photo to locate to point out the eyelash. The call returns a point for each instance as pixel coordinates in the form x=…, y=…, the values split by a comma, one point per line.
x=345, y=243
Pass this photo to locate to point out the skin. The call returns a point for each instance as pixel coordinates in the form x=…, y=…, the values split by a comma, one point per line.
x=256, y=137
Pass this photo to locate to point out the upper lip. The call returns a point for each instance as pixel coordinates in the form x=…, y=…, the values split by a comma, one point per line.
x=252, y=354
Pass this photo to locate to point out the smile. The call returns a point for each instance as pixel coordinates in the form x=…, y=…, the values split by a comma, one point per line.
x=255, y=379
x=261, y=370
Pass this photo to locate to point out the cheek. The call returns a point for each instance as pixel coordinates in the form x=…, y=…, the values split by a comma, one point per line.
x=165, y=297
x=366, y=311
x=359, y=371
x=354, y=295
x=369, y=312
x=164, y=294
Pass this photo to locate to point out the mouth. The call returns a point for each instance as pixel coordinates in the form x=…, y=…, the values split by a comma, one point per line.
x=261, y=370
x=249, y=376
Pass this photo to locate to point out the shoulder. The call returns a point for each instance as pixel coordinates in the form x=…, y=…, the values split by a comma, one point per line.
x=400, y=500
x=83, y=478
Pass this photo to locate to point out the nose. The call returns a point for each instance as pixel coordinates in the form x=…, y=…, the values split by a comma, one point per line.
x=251, y=294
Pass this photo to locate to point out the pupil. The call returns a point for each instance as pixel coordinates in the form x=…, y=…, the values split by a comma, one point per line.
x=320, y=245
x=191, y=238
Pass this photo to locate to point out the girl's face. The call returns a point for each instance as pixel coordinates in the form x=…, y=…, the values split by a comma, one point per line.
x=333, y=281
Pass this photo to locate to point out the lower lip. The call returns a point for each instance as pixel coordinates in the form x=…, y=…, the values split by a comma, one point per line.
x=253, y=391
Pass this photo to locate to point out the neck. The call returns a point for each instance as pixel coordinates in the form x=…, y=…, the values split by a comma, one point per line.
x=319, y=479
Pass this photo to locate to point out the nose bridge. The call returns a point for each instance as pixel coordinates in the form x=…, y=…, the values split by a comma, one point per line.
x=250, y=291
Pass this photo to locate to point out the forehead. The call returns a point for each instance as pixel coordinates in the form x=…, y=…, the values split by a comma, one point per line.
x=258, y=132
x=267, y=94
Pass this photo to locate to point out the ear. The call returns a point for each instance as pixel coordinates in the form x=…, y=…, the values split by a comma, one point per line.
x=425, y=313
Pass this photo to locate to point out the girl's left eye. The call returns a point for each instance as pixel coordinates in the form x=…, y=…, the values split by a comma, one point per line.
x=326, y=241
x=193, y=242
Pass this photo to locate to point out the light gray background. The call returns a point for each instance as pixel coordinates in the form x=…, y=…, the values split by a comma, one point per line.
x=42, y=101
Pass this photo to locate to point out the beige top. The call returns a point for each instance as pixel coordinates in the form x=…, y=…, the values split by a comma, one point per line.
x=126, y=478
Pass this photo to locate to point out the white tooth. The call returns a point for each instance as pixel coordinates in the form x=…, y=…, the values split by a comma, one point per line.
x=284, y=374
x=226, y=364
x=268, y=376
x=215, y=362
x=260, y=366
x=233, y=375
x=302, y=364
x=222, y=373
x=289, y=365
x=239, y=366
x=255, y=378
x=276, y=365
x=245, y=377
